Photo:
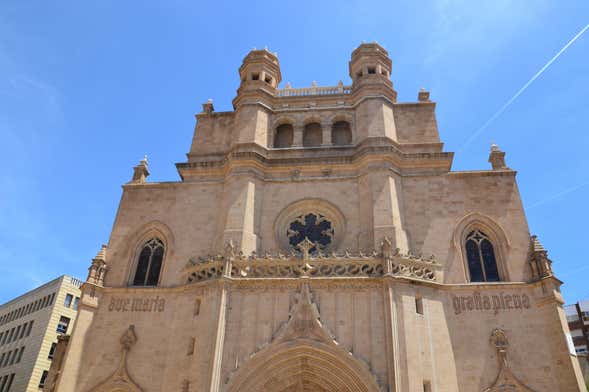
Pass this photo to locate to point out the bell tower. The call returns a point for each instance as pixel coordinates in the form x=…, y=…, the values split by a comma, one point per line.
x=370, y=69
x=260, y=69
x=371, y=66
x=260, y=75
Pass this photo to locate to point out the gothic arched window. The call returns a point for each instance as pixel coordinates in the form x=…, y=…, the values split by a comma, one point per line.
x=341, y=134
x=149, y=263
x=482, y=264
x=284, y=136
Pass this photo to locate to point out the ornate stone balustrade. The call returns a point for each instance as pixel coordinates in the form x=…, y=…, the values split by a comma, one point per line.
x=318, y=265
x=313, y=90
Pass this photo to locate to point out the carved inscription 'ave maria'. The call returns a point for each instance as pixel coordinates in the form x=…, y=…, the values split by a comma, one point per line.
x=495, y=303
x=156, y=304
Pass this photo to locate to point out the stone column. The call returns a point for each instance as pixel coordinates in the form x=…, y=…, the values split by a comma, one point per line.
x=326, y=134
x=388, y=210
x=241, y=197
x=297, y=140
x=391, y=338
x=217, y=360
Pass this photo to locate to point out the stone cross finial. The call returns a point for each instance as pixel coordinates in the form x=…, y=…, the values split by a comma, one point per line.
x=140, y=172
x=497, y=158
x=305, y=246
x=208, y=107
x=423, y=95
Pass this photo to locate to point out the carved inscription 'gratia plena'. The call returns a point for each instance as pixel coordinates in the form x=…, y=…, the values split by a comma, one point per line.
x=156, y=304
x=496, y=303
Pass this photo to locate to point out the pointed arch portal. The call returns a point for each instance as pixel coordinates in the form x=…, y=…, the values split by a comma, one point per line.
x=301, y=366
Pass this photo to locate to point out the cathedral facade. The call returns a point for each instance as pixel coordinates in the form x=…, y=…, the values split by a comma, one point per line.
x=319, y=241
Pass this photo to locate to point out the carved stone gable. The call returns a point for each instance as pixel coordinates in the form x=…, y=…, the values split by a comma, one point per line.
x=304, y=321
x=506, y=380
x=120, y=380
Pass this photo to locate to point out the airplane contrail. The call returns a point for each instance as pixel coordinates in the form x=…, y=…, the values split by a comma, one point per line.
x=521, y=90
x=558, y=195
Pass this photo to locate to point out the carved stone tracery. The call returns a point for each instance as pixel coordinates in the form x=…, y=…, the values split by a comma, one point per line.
x=318, y=264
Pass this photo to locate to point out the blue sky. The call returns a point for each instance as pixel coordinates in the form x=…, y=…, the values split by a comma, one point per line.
x=88, y=88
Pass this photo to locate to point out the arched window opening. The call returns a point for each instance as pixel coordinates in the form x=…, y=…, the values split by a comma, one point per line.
x=149, y=264
x=480, y=254
x=341, y=134
x=312, y=137
x=284, y=136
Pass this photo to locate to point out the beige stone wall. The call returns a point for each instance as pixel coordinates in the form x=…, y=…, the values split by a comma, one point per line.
x=237, y=195
x=447, y=345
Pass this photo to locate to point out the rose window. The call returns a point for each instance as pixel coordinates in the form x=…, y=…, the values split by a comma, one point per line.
x=313, y=226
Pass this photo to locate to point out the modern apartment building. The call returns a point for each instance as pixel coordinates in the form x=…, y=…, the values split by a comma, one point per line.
x=578, y=319
x=29, y=328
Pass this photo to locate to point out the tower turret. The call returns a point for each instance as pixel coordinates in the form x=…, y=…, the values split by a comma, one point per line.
x=260, y=69
x=260, y=75
x=371, y=65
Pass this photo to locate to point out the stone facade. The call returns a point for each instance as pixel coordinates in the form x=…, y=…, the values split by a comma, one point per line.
x=319, y=241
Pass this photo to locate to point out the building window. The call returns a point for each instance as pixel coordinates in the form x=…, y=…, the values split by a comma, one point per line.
x=341, y=134
x=149, y=263
x=480, y=254
x=284, y=136
x=14, y=354
x=585, y=316
x=63, y=324
x=313, y=226
x=23, y=330
x=68, y=300
x=20, y=353
x=30, y=327
x=17, y=332
x=76, y=300
x=43, y=379
x=9, y=384
x=418, y=305
x=51, y=299
x=313, y=135
x=427, y=386
x=52, y=350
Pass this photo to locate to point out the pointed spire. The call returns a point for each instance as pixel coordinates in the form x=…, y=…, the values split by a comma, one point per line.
x=101, y=255
x=98, y=268
x=538, y=258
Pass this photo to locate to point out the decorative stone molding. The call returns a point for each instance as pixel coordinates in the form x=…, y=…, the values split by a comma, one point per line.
x=385, y=262
x=505, y=381
x=98, y=268
x=538, y=259
x=120, y=379
x=302, y=355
